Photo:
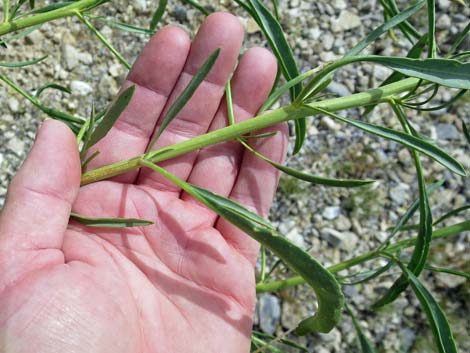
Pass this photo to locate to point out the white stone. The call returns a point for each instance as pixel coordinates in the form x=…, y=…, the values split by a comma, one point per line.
x=13, y=104
x=331, y=212
x=345, y=22
x=295, y=237
x=80, y=88
x=115, y=70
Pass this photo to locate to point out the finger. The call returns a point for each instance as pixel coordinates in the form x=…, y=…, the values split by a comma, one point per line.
x=154, y=74
x=217, y=166
x=39, y=200
x=219, y=30
x=255, y=187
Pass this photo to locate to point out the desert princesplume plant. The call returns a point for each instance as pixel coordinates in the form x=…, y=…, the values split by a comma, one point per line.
x=416, y=79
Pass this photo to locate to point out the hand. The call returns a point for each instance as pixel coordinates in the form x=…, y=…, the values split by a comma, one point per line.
x=184, y=284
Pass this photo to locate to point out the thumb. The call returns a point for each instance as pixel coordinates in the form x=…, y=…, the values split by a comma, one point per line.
x=40, y=196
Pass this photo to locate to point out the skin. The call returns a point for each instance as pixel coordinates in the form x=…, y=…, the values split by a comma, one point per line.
x=184, y=284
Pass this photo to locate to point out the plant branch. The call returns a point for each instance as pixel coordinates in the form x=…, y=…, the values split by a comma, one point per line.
x=296, y=280
x=6, y=11
x=231, y=132
x=70, y=10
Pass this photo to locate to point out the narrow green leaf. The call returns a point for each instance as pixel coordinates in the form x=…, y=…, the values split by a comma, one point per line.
x=459, y=40
x=197, y=6
x=436, y=317
x=391, y=23
x=110, y=222
x=120, y=25
x=314, y=179
x=282, y=340
x=31, y=4
x=111, y=116
x=185, y=96
x=414, y=53
x=366, y=276
x=432, y=45
x=157, y=16
x=408, y=30
x=366, y=346
x=409, y=213
x=421, y=250
x=52, y=7
x=51, y=86
x=451, y=214
x=465, y=131
x=274, y=97
x=228, y=99
x=19, y=35
x=446, y=72
x=283, y=52
x=454, y=99
x=23, y=63
x=263, y=346
x=413, y=142
x=328, y=293
x=448, y=271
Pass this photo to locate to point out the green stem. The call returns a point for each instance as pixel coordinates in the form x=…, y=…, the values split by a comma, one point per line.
x=103, y=40
x=231, y=132
x=6, y=11
x=70, y=10
x=296, y=280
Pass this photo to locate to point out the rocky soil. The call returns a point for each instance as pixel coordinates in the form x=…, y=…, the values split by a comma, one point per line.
x=334, y=224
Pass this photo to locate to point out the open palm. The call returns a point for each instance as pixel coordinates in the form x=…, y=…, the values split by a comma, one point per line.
x=185, y=283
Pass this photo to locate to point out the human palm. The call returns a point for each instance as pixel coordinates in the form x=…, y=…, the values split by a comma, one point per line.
x=183, y=284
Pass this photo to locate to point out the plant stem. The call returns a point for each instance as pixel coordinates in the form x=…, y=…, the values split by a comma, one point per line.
x=6, y=11
x=231, y=132
x=296, y=280
x=98, y=34
x=39, y=18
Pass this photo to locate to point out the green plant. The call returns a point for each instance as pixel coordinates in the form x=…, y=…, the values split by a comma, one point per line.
x=414, y=83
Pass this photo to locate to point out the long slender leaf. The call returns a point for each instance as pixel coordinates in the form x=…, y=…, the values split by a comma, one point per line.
x=19, y=35
x=391, y=23
x=436, y=317
x=465, y=131
x=451, y=214
x=158, y=14
x=52, y=7
x=282, y=340
x=461, y=37
x=197, y=6
x=432, y=45
x=111, y=116
x=366, y=346
x=415, y=143
x=283, y=52
x=329, y=295
x=314, y=179
x=185, y=96
x=23, y=63
x=421, y=250
x=122, y=26
x=51, y=86
x=110, y=222
x=369, y=275
x=414, y=53
x=276, y=94
x=448, y=271
x=409, y=213
x=446, y=72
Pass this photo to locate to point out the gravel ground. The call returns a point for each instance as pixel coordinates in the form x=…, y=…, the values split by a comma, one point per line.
x=335, y=224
